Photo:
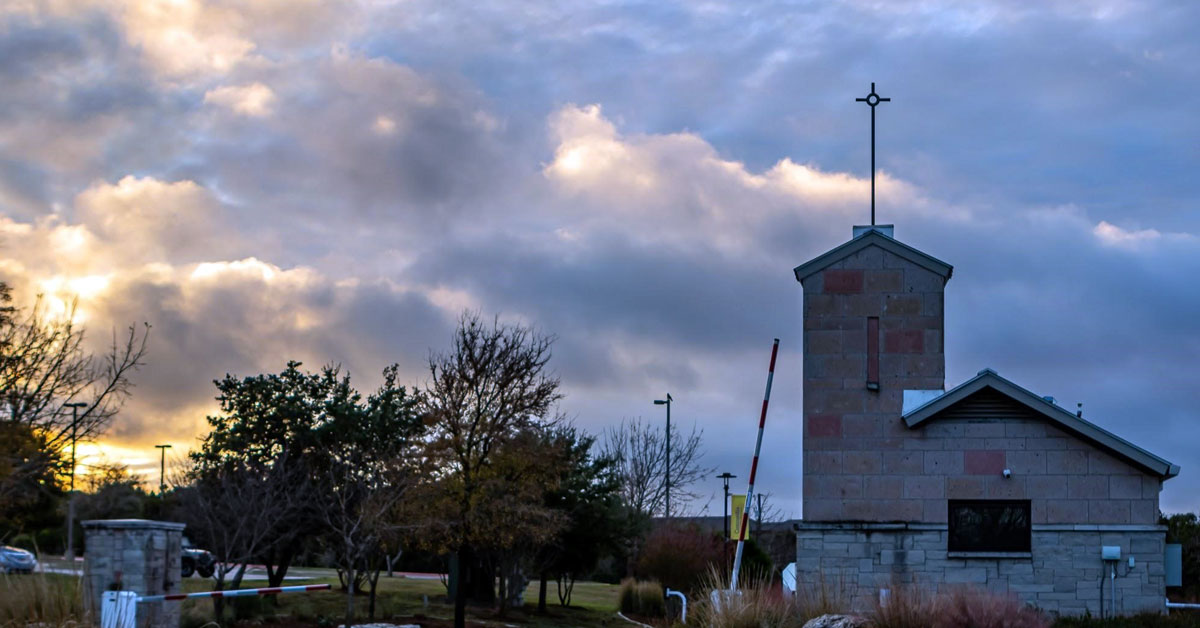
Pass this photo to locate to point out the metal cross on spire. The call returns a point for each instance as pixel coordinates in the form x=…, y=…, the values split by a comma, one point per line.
x=873, y=99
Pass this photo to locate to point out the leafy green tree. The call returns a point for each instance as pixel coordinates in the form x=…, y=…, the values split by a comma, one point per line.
x=263, y=420
x=371, y=451
x=489, y=388
x=111, y=492
x=587, y=493
x=1184, y=529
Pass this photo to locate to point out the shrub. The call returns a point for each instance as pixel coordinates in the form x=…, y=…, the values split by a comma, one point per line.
x=755, y=562
x=643, y=598
x=679, y=556
x=974, y=608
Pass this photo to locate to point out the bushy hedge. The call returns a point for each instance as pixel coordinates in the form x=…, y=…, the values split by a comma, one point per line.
x=679, y=556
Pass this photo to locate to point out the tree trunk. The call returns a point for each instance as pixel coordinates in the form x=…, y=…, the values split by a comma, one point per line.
x=460, y=589
x=350, y=597
x=373, y=578
x=503, y=590
x=275, y=574
x=542, y=593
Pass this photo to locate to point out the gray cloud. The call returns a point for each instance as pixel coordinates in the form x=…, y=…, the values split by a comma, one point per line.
x=404, y=164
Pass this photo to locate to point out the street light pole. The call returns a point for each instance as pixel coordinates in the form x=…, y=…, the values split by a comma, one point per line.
x=667, y=402
x=71, y=494
x=726, y=477
x=162, y=469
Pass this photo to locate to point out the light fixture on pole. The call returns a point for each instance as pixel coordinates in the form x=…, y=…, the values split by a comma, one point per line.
x=162, y=469
x=71, y=494
x=726, y=477
x=667, y=402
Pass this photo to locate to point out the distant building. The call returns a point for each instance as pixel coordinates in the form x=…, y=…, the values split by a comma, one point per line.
x=986, y=484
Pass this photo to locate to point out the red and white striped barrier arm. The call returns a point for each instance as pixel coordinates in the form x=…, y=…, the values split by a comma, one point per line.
x=236, y=592
x=762, y=422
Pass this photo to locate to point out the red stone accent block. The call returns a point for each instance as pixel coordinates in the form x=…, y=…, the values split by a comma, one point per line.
x=983, y=462
x=904, y=341
x=824, y=425
x=843, y=281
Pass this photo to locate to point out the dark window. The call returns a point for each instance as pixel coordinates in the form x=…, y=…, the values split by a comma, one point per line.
x=873, y=353
x=989, y=526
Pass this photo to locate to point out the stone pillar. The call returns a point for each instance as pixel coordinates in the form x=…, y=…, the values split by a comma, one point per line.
x=135, y=555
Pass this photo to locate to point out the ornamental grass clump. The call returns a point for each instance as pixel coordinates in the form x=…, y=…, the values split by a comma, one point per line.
x=905, y=606
x=39, y=599
x=642, y=598
x=828, y=594
x=759, y=603
x=976, y=608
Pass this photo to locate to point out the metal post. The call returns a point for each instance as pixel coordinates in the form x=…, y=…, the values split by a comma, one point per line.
x=71, y=494
x=667, y=402
x=725, y=508
x=162, y=469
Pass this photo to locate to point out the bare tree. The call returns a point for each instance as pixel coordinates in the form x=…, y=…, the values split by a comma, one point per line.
x=763, y=511
x=483, y=393
x=236, y=510
x=639, y=449
x=44, y=366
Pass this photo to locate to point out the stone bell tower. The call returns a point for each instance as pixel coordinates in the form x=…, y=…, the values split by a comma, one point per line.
x=873, y=329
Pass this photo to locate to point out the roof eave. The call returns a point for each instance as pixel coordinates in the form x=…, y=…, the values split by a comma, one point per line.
x=889, y=244
x=1065, y=419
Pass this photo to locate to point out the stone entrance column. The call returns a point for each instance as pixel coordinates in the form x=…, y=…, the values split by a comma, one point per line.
x=135, y=555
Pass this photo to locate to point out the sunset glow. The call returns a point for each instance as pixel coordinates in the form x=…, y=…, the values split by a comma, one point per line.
x=335, y=183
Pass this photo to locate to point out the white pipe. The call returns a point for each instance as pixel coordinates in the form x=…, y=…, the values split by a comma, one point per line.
x=1171, y=604
x=1112, y=602
x=683, y=599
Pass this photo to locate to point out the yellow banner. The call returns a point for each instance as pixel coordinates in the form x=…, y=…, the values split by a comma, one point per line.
x=737, y=505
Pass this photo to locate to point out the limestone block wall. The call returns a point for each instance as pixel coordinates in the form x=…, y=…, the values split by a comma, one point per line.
x=847, y=424
x=1061, y=575
x=135, y=555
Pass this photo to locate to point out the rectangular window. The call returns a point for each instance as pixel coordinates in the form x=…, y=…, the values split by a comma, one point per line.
x=873, y=353
x=989, y=526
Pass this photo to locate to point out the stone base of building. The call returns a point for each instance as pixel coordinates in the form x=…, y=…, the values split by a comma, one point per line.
x=1063, y=574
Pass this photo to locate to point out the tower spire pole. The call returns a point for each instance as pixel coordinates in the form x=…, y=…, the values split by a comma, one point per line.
x=872, y=99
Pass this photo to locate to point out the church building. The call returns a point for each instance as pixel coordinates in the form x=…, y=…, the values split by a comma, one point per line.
x=985, y=484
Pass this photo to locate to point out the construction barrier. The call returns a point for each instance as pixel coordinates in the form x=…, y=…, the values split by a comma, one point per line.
x=119, y=608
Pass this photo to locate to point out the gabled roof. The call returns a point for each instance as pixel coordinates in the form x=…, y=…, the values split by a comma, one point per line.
x=873, y=237
x=1061, y=418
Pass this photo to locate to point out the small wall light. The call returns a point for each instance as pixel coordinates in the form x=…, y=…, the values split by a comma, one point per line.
x=1008, y=473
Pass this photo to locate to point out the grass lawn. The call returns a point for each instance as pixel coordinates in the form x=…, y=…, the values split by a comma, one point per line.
x=408, y=600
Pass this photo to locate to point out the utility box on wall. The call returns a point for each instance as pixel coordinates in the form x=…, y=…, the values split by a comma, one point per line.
x=1174, y=565
x=135, y=555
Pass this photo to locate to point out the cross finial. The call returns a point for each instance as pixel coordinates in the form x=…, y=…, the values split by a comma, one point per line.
x=873, y=99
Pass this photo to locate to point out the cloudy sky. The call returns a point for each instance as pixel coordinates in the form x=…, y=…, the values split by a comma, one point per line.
x=336, y=181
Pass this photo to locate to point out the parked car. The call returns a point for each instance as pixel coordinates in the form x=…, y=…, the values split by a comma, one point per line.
x=198, y=561
x=16, y=560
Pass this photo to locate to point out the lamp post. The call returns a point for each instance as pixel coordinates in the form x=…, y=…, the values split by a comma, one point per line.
x=726, y=477
x=162, y=469
x=667, y=402
x=71, y=494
